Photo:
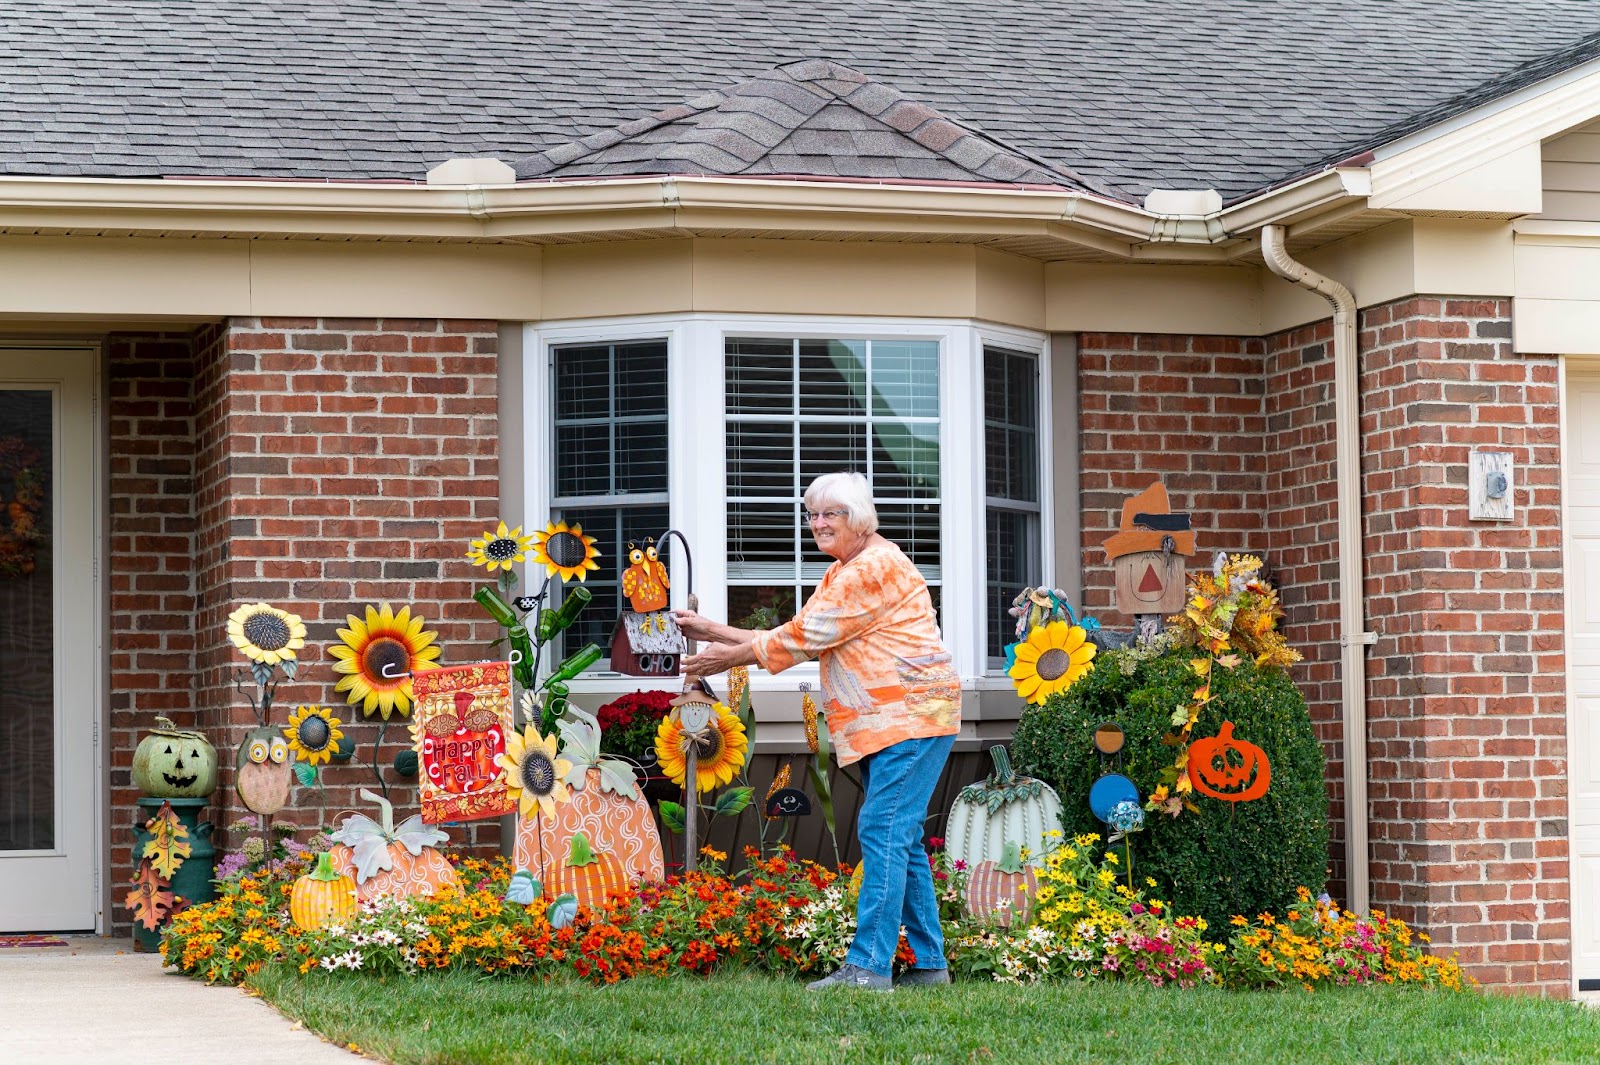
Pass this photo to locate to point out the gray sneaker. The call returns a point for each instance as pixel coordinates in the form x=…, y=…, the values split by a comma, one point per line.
x=853, y=976
x=922, y=978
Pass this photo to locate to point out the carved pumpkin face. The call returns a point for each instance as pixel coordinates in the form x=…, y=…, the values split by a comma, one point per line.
x=263, y=771
x=175, y=764
x=1227, y=768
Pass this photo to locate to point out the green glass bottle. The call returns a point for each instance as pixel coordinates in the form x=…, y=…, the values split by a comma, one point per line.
x=522, y=664
x=575, y=663
x=497, y=607
x=553, y=621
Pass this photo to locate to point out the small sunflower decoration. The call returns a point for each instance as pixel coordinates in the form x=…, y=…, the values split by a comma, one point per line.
x=313, y=734
x=720, y=753
x=499, y=549
x=266, y=634
x=565, y=550
x=377, y=657
x=1051, y=660
x=535, y=772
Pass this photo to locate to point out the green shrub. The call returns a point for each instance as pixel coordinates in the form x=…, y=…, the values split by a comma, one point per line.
x=1231, y=857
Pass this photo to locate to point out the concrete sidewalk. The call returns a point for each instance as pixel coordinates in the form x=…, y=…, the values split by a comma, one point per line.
x=96, y=1001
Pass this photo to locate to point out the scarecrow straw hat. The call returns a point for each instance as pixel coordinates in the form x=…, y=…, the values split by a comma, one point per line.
x=1147, y=520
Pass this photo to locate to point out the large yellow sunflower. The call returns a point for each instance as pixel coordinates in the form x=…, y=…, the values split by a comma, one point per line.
x=720, y=753
x=1050, y=660
x=534, y=771
x=266, y=634
x=313, y=734
x=500, y=548
x=378, y=657
x=565, y=550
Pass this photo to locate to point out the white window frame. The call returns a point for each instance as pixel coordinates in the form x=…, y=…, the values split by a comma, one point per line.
x=1021, y=342
x=697, y=490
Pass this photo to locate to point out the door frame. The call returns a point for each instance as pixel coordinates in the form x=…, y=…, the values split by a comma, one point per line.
x=98, y=606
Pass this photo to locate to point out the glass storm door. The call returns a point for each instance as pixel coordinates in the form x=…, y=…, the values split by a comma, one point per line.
x=49, y=642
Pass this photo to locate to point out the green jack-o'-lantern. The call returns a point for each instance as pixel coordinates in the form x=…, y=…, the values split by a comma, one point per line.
x=174, y=763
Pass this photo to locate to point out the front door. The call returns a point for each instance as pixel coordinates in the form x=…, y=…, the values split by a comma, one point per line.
x=49, y=641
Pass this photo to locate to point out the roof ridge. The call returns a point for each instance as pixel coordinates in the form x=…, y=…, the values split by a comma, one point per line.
x=783, y=101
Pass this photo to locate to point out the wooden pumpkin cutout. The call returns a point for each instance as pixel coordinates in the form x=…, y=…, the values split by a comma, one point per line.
x=385, y=860
x=588, y=875
x=322, y=897
x=618, y=824
x=1003, y=891
x=1227, y=768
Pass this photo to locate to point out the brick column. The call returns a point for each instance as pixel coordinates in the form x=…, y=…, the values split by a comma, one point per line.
x=1467, y=698
x=342, y=463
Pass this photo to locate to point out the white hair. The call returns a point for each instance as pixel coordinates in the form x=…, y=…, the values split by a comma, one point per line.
x=850, y=492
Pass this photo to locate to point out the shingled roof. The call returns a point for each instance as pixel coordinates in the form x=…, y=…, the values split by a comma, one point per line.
x=1234, y=95
x=813, y=118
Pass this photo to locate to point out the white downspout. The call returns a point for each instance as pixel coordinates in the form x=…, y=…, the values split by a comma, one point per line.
x=1353, y=637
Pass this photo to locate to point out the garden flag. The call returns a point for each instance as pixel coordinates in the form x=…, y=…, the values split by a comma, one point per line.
x=459, y=729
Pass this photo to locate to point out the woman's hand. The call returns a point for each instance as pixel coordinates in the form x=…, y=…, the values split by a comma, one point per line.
x=704, y=629
x=719, y=658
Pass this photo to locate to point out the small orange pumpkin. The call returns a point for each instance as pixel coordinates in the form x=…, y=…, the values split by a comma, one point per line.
x=385, y=860
x=1229, y=769
x=1003, y=891
x=322, y=896
x=588, y=875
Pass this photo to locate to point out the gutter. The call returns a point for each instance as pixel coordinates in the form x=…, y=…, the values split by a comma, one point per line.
x=1353, y=637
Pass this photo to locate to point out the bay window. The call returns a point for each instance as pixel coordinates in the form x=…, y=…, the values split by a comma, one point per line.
x=715, y=426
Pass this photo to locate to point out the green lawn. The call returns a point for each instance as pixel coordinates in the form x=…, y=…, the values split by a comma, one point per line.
x=747, y=1019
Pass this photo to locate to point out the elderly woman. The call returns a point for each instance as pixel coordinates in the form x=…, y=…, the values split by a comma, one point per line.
x=893, y=702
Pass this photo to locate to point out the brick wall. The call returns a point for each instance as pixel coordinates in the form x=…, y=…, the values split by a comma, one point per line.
x=1467, y=712
x=315, y=464
x=149, y=569
x=1466, y=691
x=1184, y=410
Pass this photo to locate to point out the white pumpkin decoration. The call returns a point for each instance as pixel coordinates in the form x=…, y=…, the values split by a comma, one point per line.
x=1005, y=808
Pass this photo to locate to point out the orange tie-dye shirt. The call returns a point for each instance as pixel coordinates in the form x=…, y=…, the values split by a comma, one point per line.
x=885, y=675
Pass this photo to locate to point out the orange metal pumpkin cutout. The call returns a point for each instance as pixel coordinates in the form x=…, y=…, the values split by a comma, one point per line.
x=1229, y=769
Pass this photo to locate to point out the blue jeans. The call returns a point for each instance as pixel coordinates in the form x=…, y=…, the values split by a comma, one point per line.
x=896, y=884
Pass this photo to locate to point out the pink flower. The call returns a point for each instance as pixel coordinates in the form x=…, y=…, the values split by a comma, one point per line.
x=935, y=842
x=961, y=866
x=1136, y=908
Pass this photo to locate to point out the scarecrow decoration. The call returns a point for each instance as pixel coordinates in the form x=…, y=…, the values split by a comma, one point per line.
x=1147, y=556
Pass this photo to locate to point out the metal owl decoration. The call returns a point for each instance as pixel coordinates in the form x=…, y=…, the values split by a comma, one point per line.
x=264, y=770
x=645, y=581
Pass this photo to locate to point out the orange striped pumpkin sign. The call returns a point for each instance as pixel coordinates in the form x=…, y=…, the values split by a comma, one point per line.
x=587, y=874
x=322, y=897
x=1003, y=891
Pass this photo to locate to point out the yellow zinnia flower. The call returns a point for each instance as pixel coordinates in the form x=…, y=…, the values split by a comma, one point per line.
x=564, y=550
x=1051, y=660
x=534, y=772
x=377, y=657
x=500, y=548
x=266, y=634
x=719, y=754
x=313, y=734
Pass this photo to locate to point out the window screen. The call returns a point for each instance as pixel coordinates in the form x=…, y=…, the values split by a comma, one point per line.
x=799, y=408
x=1014, y=559
x=610, y=454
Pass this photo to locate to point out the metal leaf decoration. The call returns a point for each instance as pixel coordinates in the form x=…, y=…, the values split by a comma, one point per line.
x=168, y=845
x=368, y=844
x=150, y=900
x=733, y=801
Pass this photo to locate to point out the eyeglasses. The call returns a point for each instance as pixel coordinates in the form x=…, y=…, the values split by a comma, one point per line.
x=811, y=517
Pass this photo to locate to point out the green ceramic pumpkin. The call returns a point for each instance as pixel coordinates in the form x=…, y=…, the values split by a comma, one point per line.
x=174, y=763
